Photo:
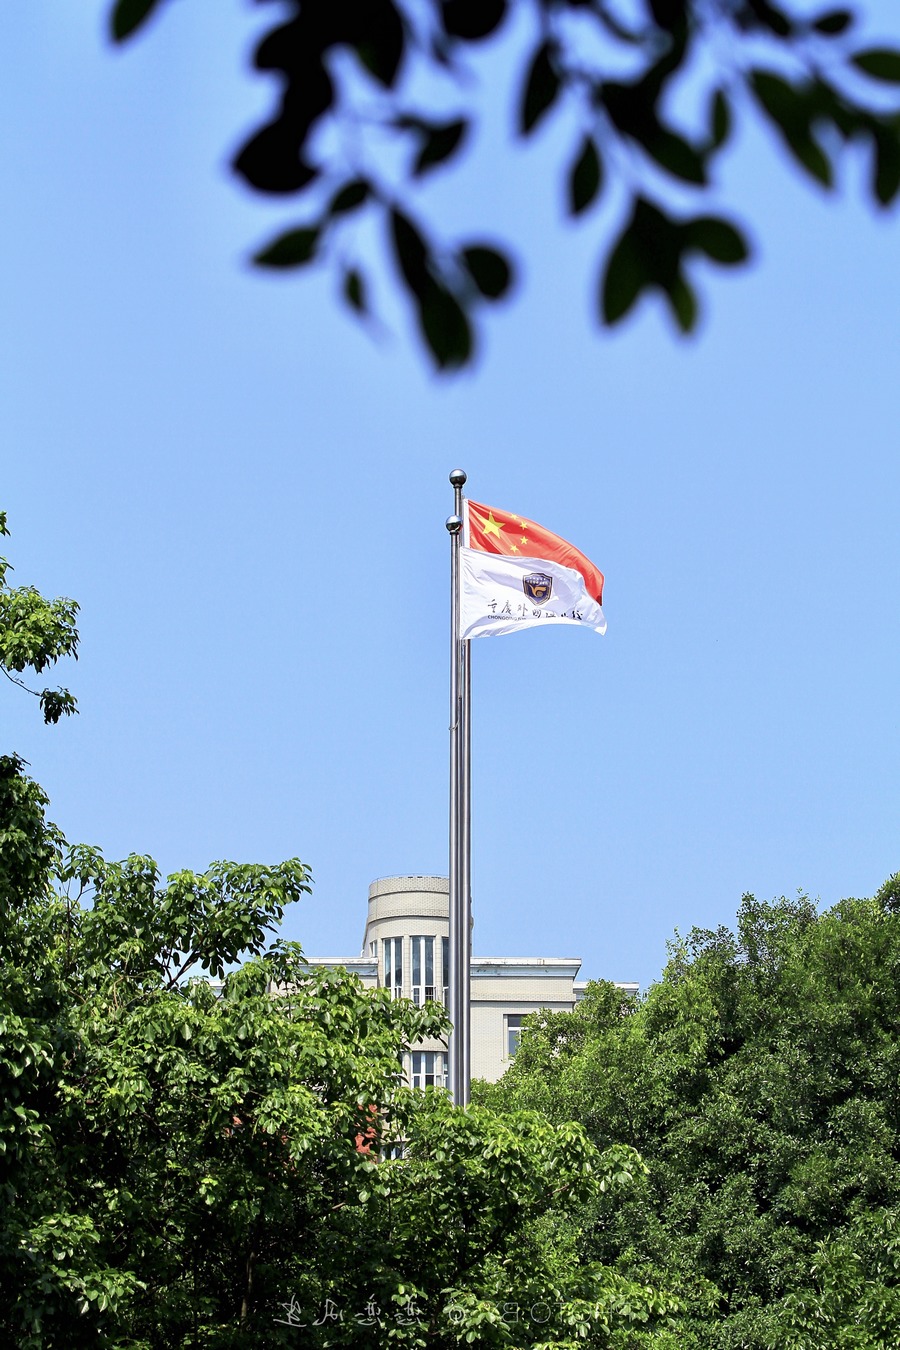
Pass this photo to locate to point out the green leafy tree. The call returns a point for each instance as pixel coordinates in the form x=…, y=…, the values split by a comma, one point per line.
x=206, y=1142
x=34, y=634
x=353, y=135
x=758, y=1080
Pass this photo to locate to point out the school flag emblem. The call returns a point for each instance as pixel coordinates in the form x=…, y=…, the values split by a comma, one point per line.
x=516, y=574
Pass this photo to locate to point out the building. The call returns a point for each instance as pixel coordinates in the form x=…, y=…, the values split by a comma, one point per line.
x=405, y=949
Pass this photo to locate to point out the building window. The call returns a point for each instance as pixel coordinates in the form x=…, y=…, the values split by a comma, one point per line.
x=422, y=969
x=445, y=970
x=513, y=1033
x=428, y=1068
x=393, y=965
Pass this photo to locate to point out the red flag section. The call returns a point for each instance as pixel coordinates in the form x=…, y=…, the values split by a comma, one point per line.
x=494, y=531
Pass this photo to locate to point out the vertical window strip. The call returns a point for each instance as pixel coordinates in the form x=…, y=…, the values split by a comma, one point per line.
x=513, y=1033
x=445, y=969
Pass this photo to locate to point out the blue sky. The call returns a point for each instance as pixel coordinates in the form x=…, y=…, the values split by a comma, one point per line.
x=246, y=493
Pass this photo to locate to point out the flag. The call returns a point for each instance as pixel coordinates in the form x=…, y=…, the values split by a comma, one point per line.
x=516, y=574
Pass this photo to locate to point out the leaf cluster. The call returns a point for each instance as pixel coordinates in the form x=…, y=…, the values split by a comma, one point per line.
x=353, y=138
x=35, y=633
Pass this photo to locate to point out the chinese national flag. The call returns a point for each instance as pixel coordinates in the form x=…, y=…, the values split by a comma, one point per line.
x=517, y=574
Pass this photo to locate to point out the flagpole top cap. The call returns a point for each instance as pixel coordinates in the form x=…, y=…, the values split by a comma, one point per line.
x=458, y=477
x=454, y=524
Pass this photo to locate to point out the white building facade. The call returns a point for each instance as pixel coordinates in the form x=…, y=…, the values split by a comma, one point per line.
x=405, y=949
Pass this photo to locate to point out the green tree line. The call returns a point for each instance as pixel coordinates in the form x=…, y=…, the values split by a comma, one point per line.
x=759, y=1081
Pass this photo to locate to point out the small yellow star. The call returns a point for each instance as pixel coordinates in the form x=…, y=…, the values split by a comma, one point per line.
x=491, y=526
x=523, y=540
x=514, y=548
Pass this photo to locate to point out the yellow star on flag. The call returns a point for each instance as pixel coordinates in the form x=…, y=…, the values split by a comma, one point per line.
x=491, y=526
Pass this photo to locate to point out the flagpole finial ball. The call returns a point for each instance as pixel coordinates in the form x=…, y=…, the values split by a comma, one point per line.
x=454, y=524
x=458, y=477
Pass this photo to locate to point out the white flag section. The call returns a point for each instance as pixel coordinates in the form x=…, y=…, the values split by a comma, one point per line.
x=503, y=594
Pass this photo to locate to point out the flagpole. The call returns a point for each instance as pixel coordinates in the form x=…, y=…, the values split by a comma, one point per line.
x=458, y=981
x=465, y=852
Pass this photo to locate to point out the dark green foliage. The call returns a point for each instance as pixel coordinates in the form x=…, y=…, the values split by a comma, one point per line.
x=586, y=177
x=488, y=269
x=128, y=15
x=801, y=70
x=720, y=119
x=542, y=86
x=758, y=1079
x=439, y=141
x=34, y=634
x=651, y=253
x=186, y=1164
x=295, y=248
x=472, y=20
x=833, y=23
x=355, y=290
x=350, y=197
x=881, y=63
x=446, y=290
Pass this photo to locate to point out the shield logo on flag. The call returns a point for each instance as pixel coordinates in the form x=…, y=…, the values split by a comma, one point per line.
x=537, y=586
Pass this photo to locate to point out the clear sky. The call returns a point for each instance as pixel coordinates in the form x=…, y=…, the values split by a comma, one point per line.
x=246, y=493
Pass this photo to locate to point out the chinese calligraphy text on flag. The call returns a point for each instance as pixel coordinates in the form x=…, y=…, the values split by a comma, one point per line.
x=516, y=574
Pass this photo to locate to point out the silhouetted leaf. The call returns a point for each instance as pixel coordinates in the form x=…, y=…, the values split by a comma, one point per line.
x=375, y=31
x=824, y=103
x=410, y=251
x=683, y=303
x=879, y=63
x=128, y=16
x=541, y=88
x=648, y=255
x=287, y=47
x=668, y=14
x=625, y=277
x=489, y=270
x=585, y=178
x=271, y=162
x=789, y=108
x=720, y=120
x=675, y=154
x=835, y=22
x=770, y=17
x=808, y=152
x=472, y=19
x=350, y=197
x=295, y=248
x=354, y=291
x=886, y=176
x=718, y=239
x=445, y=327
x=630, y=111
x=439, y=143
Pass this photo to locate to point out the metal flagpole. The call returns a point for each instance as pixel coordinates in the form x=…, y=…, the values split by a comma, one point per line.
x=465, y=854
x=458, y=982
